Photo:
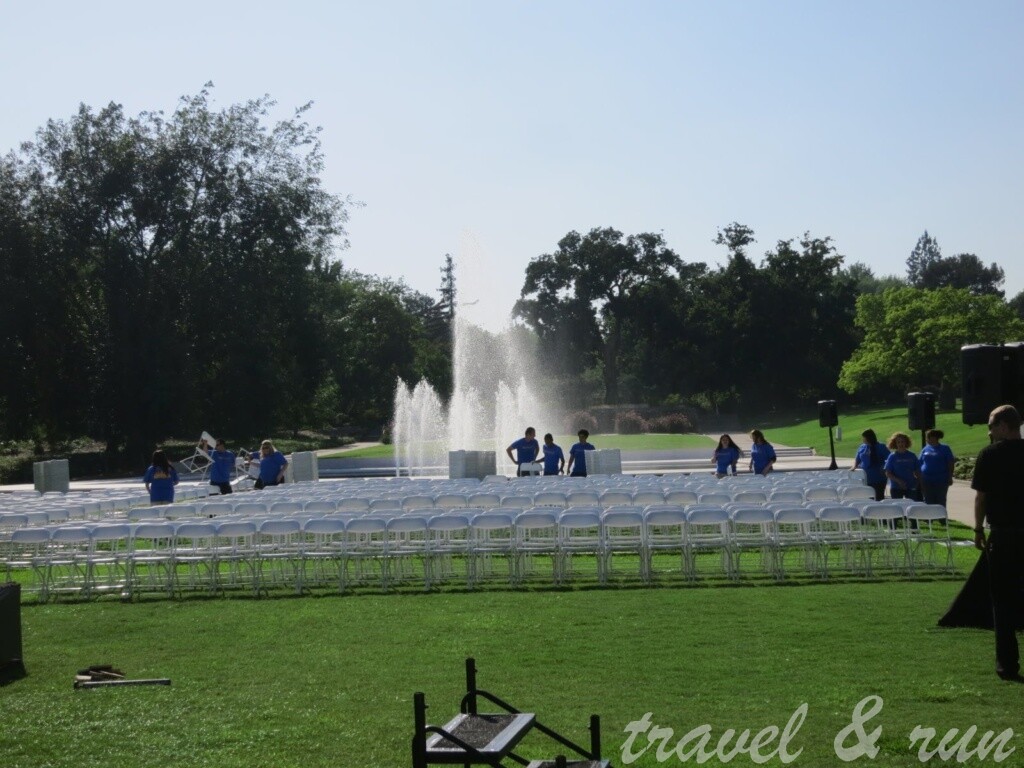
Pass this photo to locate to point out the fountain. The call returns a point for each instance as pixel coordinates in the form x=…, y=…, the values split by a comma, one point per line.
x=497, y=394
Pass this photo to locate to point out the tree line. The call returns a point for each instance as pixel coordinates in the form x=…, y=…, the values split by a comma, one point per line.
x=630, y=321
x=169, y=272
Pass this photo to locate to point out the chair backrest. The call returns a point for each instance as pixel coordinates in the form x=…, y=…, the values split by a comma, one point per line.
x=324, y=526
x=356, y=504
x=450, y=501
x=854, y=492
x=927, y=512
x=714, y=497
x=484, y=500
x=280, y=527
x=750, y=496
x=821, y=494
x=786, y=495
x=706, y=515
x=751, y=515
x=286, y=507
x=794, y=516
x=320, y=507
x=549, y=499
x=647, y=496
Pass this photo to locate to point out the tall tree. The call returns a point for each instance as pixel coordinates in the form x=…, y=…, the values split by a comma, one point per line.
x=596, y=278
x=965, y=270
x=184, y=253
x=912, y=337
x=926, y=253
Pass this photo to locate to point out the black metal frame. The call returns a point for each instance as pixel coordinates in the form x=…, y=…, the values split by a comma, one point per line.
x=469, y=706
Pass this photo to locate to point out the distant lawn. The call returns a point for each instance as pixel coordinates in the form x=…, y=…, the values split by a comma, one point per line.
x=328, y=681
x=964, y=440
x=649, y=442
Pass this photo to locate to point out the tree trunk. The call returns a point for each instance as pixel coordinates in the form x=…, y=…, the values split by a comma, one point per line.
x=611, y=365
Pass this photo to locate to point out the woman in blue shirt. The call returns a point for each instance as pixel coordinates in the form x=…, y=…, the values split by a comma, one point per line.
x=901, y=467
x=726, y=456
x=160, y=479
x=871, y=458
x=937, y=462
x=762, y=454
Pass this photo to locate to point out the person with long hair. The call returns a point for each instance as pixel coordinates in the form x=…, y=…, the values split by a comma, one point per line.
x=160, y=479
x=902, y=467
x=762, y=454
x=272, y=466
x=727, y=454
x=871, y=458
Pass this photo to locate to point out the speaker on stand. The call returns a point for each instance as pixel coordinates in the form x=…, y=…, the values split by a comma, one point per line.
x=828, y=416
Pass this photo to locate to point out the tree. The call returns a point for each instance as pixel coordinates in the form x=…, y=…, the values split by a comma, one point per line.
x=912, y=337
x=168, y=262
x=594, y=282
x=965, y=270
x=866, y=281
x=926, y=253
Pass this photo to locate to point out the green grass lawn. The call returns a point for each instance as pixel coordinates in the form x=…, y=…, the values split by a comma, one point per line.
x=328, y=681
x=964, y=440
x=648, y=442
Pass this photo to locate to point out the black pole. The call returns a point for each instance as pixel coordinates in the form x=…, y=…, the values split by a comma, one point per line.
x=471, y=684
x=832, y=449
x=419, y=738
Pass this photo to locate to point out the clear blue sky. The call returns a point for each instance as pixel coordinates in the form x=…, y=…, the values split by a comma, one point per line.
x=493, y=128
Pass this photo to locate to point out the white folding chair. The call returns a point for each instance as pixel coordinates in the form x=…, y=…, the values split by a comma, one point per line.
x=108, y=559
x=665, y=534
x=837, y=531
x=447, y=551
x=579, y=533
x=536, y=538
x=707, y=536
x=492, y=538
x=622, y=534
x=323, y=550
x=794, y=533
x=364, y=551
x=752, y=532
x=405, y=550
x=151, y=558
x=927, y=533
x=279, y=554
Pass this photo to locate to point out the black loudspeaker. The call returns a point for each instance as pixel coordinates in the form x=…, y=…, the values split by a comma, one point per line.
x=993, y=375
x=11, y=665
x=828, y=414
x=920, y=411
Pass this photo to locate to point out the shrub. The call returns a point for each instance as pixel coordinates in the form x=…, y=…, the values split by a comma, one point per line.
x=574, y=422
x=630, y=423
x=672, y=423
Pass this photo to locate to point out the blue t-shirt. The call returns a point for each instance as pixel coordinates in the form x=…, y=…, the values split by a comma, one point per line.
x=553, y=456
x=903, y=464
x=579, y=459
x=161, y=483
x=935, y=461
x=223, y=466
x=873, y=466
x=271, y=465
x=526, y=450
x=761, y=455
x=725, y=460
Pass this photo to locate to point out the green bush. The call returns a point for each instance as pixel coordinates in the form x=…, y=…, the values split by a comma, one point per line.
x=631, y=423
x=578, y=420
x=672, y=424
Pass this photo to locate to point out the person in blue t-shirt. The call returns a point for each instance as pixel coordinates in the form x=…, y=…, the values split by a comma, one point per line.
x=937, y=462
x=902, y=467
x=871, y=458
x=272, y=466
x=160, y=479
x=578, y=455
x=726, y=456
x=762, y=454
x=223, y=466
x=527, y=449
x=554, y=459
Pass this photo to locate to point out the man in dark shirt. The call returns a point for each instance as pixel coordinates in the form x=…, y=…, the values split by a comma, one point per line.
x=1000, y=499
